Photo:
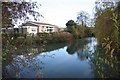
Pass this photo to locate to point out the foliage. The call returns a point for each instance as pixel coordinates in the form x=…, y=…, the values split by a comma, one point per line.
x=104, y=25
x=89, y=31
x=116, y=20
x=107, y=30
x=39, y=39
x=70, y=25
x=12, y=43
x=14, y=11
x=104, y=65
x=75, y=32
x=58, y=37
x=108, y=34
x=79, y=31
x=80, y=28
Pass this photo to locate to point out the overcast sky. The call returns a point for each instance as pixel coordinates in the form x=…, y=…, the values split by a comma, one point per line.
x=58, y=12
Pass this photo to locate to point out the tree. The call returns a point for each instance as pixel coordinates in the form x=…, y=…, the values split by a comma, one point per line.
x=70, y=24
x=14, y=11
x=107, y=29
x=100, y=7
x=91, y=22
x=82, y=18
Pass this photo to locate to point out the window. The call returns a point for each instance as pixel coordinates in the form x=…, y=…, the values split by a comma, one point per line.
x=49, y=30
x=33, y=30
x=16, y=30
x=3, y=31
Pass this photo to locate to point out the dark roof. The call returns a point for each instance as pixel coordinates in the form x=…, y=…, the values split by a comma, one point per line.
x=28, y=24
x=42, y=23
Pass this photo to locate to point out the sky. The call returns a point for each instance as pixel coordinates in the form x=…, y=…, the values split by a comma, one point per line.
x=58, y=12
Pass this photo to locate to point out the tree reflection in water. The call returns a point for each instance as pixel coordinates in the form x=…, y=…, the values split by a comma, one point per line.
x=76, y=45
x=103, y=65
x=21, y=65
x=83, y=47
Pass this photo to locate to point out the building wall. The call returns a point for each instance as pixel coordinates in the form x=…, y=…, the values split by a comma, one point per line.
x=47, y=28
x=62, y=29
x=31, y=29
x=41, y=28
x=56, y=29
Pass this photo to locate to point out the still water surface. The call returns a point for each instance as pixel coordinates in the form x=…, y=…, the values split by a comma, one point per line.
x=54, y=61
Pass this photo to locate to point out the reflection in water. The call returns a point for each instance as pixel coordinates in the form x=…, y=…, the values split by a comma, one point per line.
x=104, y=66
x=80, y=59
x=23, y=65
x=76, y=45
x=83, y=47
x=87, y=49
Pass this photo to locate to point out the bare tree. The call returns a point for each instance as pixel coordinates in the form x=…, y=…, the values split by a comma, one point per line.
x=82, y=18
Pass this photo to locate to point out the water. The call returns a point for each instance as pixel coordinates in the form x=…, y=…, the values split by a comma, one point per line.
x=54, y=61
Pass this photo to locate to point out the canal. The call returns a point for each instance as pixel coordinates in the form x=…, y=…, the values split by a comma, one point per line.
x=56, y=61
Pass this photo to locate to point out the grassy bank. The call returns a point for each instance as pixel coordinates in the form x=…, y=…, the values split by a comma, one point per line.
x=11, y=42
x=39, y=39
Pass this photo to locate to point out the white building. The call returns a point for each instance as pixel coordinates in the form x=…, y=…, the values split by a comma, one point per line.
x=34, y=28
